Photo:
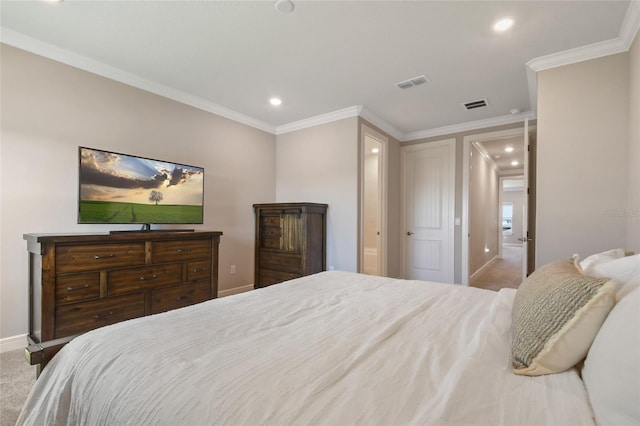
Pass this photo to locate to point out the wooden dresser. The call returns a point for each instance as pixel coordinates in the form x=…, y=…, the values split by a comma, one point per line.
x=81, y=282
x=290, y=241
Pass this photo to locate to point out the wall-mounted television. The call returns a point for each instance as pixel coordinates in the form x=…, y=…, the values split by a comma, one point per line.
x=117, y=188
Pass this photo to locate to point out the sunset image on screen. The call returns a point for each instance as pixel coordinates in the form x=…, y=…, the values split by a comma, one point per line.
x=119, y=188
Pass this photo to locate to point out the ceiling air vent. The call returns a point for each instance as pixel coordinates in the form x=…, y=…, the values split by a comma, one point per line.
x=476, y=104
x=416, y=81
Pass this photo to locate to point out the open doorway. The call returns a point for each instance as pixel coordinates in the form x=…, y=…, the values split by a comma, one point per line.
x=373, y=210
x=495, y=250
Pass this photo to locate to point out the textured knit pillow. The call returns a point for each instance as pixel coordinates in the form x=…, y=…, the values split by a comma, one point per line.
x=557, y=311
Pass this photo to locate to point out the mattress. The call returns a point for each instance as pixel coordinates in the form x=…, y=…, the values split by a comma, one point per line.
x=335, y=348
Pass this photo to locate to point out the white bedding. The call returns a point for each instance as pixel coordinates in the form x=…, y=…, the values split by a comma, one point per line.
x=334, y=348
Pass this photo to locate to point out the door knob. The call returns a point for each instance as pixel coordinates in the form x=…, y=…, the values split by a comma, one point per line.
x=409, y=233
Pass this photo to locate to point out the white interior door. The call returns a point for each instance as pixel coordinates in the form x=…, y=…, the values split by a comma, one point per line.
x=429, y=189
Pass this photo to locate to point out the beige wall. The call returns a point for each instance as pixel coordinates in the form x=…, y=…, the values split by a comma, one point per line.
x=633, y=210
x=583, y=145
x=320, y=165
x=483, y=211
x=48, y=109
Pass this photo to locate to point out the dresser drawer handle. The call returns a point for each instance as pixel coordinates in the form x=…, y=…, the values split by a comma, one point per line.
x=103, y=317
x=148, y=277
x=78, y=288
x=104, y=256
x=182, y=298
x=199, y=270
x=185, y=250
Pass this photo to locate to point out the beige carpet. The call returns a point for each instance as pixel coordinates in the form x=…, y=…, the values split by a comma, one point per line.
x=16, y=379
x=504, y=272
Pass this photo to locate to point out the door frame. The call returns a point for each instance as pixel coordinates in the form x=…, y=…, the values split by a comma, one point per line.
x=451, y=143
x=383, y=167
x=466, y=149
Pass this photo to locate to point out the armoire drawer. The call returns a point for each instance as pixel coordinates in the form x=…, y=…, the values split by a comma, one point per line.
x=268, y=277
x=280, y=261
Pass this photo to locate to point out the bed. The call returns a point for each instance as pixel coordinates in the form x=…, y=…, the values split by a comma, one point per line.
x=334, y=348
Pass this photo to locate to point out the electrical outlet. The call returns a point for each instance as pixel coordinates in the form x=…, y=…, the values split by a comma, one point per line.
x=233, y=269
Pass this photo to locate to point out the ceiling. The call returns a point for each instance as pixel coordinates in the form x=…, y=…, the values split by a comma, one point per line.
x=496, y=151
x=327, y=59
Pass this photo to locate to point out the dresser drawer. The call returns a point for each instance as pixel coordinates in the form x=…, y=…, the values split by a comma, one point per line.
x=198, y=270
x=84, y=316
x=92, y=257
x=268, y=277
x=279, y=261
x=77, y=287
x=136, y=279
x=173, y=251
x=179, y=296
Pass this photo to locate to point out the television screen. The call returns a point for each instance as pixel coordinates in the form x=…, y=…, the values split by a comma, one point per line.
x=120, y=188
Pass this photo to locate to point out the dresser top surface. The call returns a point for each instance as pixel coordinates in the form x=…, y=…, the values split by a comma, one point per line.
x=119, y=236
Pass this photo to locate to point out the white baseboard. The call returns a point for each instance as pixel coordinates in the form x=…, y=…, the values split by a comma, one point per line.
x=483, y=267
x=12, y=343
x=235, y=290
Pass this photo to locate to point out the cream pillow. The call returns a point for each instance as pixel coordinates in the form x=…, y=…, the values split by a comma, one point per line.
x=598, y=258
x=620, y=270
x=557, y=312
x=611, y=371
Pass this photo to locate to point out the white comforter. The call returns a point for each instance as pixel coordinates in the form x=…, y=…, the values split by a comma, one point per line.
x=334, y=348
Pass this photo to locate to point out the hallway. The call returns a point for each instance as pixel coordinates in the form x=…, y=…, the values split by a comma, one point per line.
x=505, y=272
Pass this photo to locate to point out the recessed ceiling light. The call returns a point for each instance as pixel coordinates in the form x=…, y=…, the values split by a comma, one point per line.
x=375, y=150
x=514, y=163
x=503, y=25
x=275, y=101
x=508, y=149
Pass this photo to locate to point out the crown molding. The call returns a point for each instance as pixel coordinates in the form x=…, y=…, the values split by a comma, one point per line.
x=485, y=154
x=620, y=44
x=381, y=124
x=631, y=24
x=353, y=111
x=578, y=54
x=470, y=125
x=75, y=60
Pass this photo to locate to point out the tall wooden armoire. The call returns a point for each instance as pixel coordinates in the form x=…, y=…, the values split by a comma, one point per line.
x=291, y=241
